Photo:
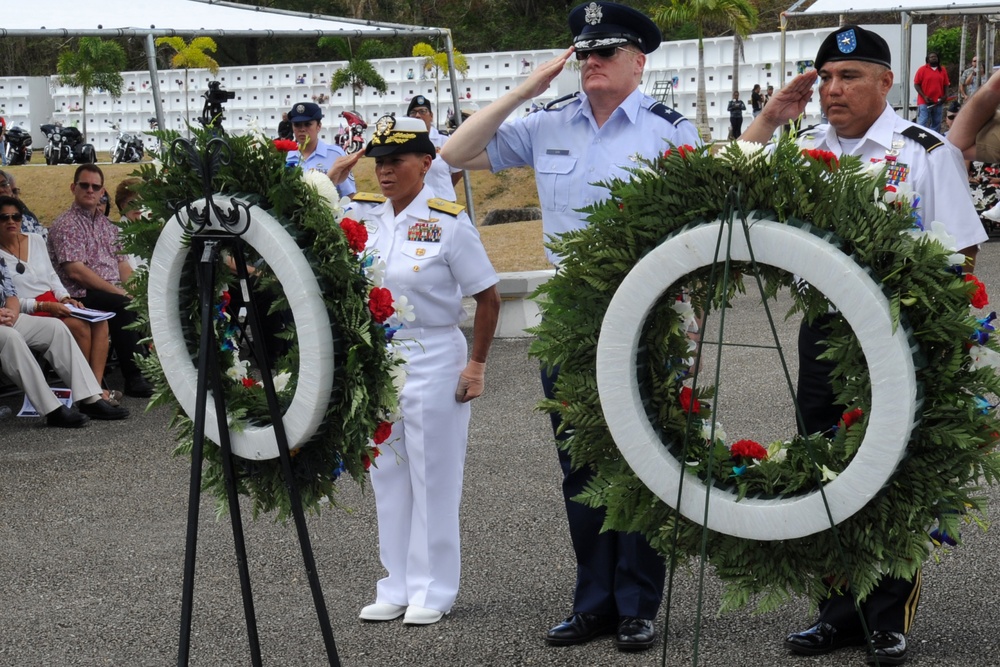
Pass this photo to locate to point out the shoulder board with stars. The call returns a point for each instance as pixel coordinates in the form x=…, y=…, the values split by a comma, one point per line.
x=564, y=101
x=369, y=197
x=445, y=206
x=675, y=118
x=918, y=134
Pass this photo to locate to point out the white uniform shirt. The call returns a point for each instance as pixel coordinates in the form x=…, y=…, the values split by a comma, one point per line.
x=439, y=175
x=432, y=275
x=938, y=176
x=322, y=159
x=570, y=154
x=39, y=276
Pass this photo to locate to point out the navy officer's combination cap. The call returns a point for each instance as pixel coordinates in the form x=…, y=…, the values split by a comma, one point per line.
x=852, y=42
x=600, y=25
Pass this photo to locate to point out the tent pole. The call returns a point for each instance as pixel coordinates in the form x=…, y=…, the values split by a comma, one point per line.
x=905, y=25
x=979, y=53
x=784, y=43
x=458, y=120
x=963, y=47
x=154, y=82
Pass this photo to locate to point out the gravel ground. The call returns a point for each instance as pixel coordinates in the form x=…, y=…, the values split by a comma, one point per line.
x=92, y=534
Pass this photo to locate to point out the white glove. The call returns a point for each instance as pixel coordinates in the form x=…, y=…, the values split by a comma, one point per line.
x=471, y=382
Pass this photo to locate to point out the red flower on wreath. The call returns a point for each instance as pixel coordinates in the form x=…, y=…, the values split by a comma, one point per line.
x=382, y=432
x=682, y=150
x=285, y=145
x=366, y=458
x=248, y=383
x=357, y=234
x=980, y=299
x=826, y=157
x=688, y=402
x=380, y=304
x=851, y=418
x=748, y=449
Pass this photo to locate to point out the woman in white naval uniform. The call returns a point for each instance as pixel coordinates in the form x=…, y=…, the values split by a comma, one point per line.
x=433, y=255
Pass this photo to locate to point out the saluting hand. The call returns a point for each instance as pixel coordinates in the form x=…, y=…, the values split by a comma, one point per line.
x=342, y=166
x=789, y=102
x=540, y=80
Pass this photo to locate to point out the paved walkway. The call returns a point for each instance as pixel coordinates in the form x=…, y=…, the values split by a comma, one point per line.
x=92, y=530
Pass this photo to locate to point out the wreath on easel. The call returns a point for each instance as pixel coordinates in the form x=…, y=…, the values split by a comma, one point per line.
x=934, y=485
x=298, y=221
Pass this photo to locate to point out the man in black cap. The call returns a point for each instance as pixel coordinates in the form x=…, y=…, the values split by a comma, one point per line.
x=442, y=178
x=853, y=66
x=314, y=153
x=572, y=144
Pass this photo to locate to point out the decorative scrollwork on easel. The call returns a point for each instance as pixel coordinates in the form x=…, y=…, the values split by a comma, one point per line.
x=206, y=164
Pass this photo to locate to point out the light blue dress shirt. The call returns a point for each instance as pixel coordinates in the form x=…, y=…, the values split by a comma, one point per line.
x=322, y=159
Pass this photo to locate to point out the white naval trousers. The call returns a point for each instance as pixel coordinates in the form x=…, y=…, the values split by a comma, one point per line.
x=51, y=337
x=418, y=478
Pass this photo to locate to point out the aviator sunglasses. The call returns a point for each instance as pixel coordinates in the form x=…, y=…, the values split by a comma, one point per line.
x=605, y=53
x=16, y=217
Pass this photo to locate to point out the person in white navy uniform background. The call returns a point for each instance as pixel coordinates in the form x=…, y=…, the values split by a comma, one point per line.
x=433, y=256
x=573, y=144
x=314, y=153
x=442, y=177
x=853, y=65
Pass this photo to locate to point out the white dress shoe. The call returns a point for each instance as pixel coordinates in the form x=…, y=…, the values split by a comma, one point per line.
x=381, y=612
x=422, y=616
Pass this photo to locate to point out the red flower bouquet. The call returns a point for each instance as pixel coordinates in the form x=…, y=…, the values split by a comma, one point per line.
x=748, y=449
x=980, y=299
x=380, y=304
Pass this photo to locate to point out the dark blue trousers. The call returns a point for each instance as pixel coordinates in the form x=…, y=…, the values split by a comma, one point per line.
x=893, y=603
x=617, y=574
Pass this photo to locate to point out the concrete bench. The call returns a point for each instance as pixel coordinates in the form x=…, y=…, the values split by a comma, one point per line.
x=517, y=311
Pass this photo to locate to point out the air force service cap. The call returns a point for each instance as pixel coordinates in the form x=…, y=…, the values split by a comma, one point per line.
x=304, y=112
x=852, y=42
x=600, y=25
x=400, y=135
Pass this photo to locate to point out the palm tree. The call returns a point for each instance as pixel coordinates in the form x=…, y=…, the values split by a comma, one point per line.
x=438, y=61
x=95, y=64
x=191, y=56
x=359, y=73
x=739, y=16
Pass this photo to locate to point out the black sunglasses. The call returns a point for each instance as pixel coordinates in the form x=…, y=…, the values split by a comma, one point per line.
x=4, y=184
x=605, y=53
x=89, y=186
x=16, y=217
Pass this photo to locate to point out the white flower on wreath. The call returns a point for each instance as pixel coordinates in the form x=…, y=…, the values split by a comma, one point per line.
x=689, y=322
x=404, y=309
x=706, y=431
x=325, y=188
x=281, y=381
x=747, y=149
x=776, y=451
x=938, y=232
x=375, y=272
x=256, y=132
x=984, y=357
x=239, y=370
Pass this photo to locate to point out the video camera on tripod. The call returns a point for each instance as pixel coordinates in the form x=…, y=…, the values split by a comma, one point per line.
x=215, y=97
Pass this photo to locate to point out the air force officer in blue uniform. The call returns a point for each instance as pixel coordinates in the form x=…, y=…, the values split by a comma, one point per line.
x=573, y=144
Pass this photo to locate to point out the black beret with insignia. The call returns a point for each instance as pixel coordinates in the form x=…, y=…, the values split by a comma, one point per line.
x=599, y=25
x=418, y=101
x=852, y=42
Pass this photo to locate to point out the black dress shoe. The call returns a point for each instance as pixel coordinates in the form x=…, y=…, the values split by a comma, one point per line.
x=101, y=409
x=63, y=417
x=890, y=647
x=821, y=638
x=635, y=634
x=138, y=387
x=580, y=628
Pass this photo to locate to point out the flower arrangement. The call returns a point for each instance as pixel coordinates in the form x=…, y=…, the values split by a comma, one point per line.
x=950, y=453
x=368, y=375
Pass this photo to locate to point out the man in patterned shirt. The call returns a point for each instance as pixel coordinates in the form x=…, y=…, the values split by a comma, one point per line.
x=84, y=248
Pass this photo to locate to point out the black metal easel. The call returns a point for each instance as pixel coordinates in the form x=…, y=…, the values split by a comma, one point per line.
x=213, y=229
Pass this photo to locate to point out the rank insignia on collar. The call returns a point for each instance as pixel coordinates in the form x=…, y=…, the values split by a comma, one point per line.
x=593, y=14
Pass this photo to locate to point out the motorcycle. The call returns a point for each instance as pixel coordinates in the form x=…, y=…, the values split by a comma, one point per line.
x=66, y=146
x=128, y=148
x=18, y=147
x=352, y=137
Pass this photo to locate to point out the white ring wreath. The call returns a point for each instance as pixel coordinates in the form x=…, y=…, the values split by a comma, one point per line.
x=276, y=247
x=614, y=324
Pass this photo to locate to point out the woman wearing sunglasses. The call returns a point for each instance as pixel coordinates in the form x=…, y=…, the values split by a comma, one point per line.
x=41, y=293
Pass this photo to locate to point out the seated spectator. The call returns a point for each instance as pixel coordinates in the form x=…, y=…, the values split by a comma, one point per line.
x=29, y=222
x=20, y=335
x=84, y=248
x=41, y=293
x=130, y=210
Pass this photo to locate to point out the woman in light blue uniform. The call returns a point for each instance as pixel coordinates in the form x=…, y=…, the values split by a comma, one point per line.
x=433, y=256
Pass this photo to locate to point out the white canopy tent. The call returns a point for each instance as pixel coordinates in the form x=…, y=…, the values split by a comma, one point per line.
x=905, y=8
x=210, y=18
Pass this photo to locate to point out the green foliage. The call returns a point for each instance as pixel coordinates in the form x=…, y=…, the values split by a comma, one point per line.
x=949, y=453
x=359, y=73
x=946, y=42
x=95, y=64
x=191, y=55
x=363, y=392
